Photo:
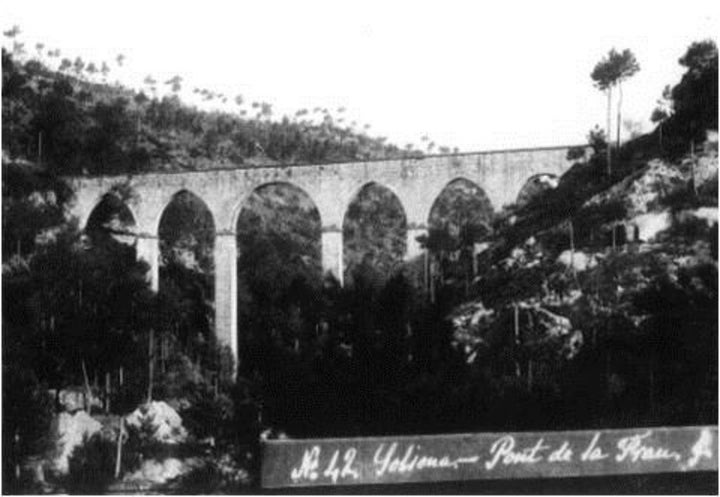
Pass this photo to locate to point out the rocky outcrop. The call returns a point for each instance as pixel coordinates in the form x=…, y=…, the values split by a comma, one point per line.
x=642, y=191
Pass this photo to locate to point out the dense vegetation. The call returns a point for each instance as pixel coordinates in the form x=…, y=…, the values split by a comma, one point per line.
x=490, y=331
x=73, y=124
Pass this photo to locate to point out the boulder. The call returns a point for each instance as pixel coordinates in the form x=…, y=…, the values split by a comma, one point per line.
x=706, y=169
x=72, y=431
x=165, y=421
x=154, y=472
x=649, y=225
x=73, y=399
x=580, y=261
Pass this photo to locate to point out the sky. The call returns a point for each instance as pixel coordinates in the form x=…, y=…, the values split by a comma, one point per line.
x=472, y=75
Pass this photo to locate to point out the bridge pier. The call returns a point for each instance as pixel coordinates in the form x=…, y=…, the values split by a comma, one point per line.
x=414, y=248
x=147, y=248
x=226, y=290
x=332, y=253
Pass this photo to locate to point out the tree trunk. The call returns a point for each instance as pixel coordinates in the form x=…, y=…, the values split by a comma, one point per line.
x=607, y=373
x=39, y=159
x=426, y=270
x=692, y=167
x=516, y=323
x=107, y=393
x=151, y=365
x=572, y=248
x=530, y=376
x=118, y=454
x=468, y=269
x=609, y=127
x=432, y=283
x=88, y=392
x=652, y=389
x=16, y=446
x=162, y=353
x=619, y=114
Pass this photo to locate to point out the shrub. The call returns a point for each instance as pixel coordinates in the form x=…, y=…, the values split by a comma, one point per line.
x=26, y=415
x=209, y=414
x=91, y=466
x=142, y=445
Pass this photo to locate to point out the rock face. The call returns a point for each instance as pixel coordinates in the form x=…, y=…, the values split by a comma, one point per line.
x=72, y=431
x=164, y=420
x=643, y=193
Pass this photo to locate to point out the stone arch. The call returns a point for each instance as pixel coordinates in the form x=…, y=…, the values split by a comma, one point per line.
x=277, y=228
x=245, y=198
x=461, y=201
x=364, y=238
x=376, y=184
x=185, y=261
x=111, y=200
x=110, y=210
x=280, y=202
x=458, y=222
x=111, y=220
x=536, y=184
x=200, y=218
x=154, y=210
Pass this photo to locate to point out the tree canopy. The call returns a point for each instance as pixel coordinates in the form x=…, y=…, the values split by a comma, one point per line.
x=614, y=68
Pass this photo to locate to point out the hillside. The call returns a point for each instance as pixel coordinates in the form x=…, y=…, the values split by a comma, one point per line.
x=74, y=124
x=620, y=292
x=597, y=297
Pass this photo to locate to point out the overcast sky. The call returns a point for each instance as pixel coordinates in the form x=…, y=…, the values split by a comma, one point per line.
x=474, y=75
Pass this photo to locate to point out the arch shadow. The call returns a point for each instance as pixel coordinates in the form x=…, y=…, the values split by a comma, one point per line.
x=535, y=185
x=371, y=234
x=187, y=223
x=461, y=202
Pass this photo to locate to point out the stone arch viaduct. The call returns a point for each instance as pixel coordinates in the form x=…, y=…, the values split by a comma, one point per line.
x=416, y=182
